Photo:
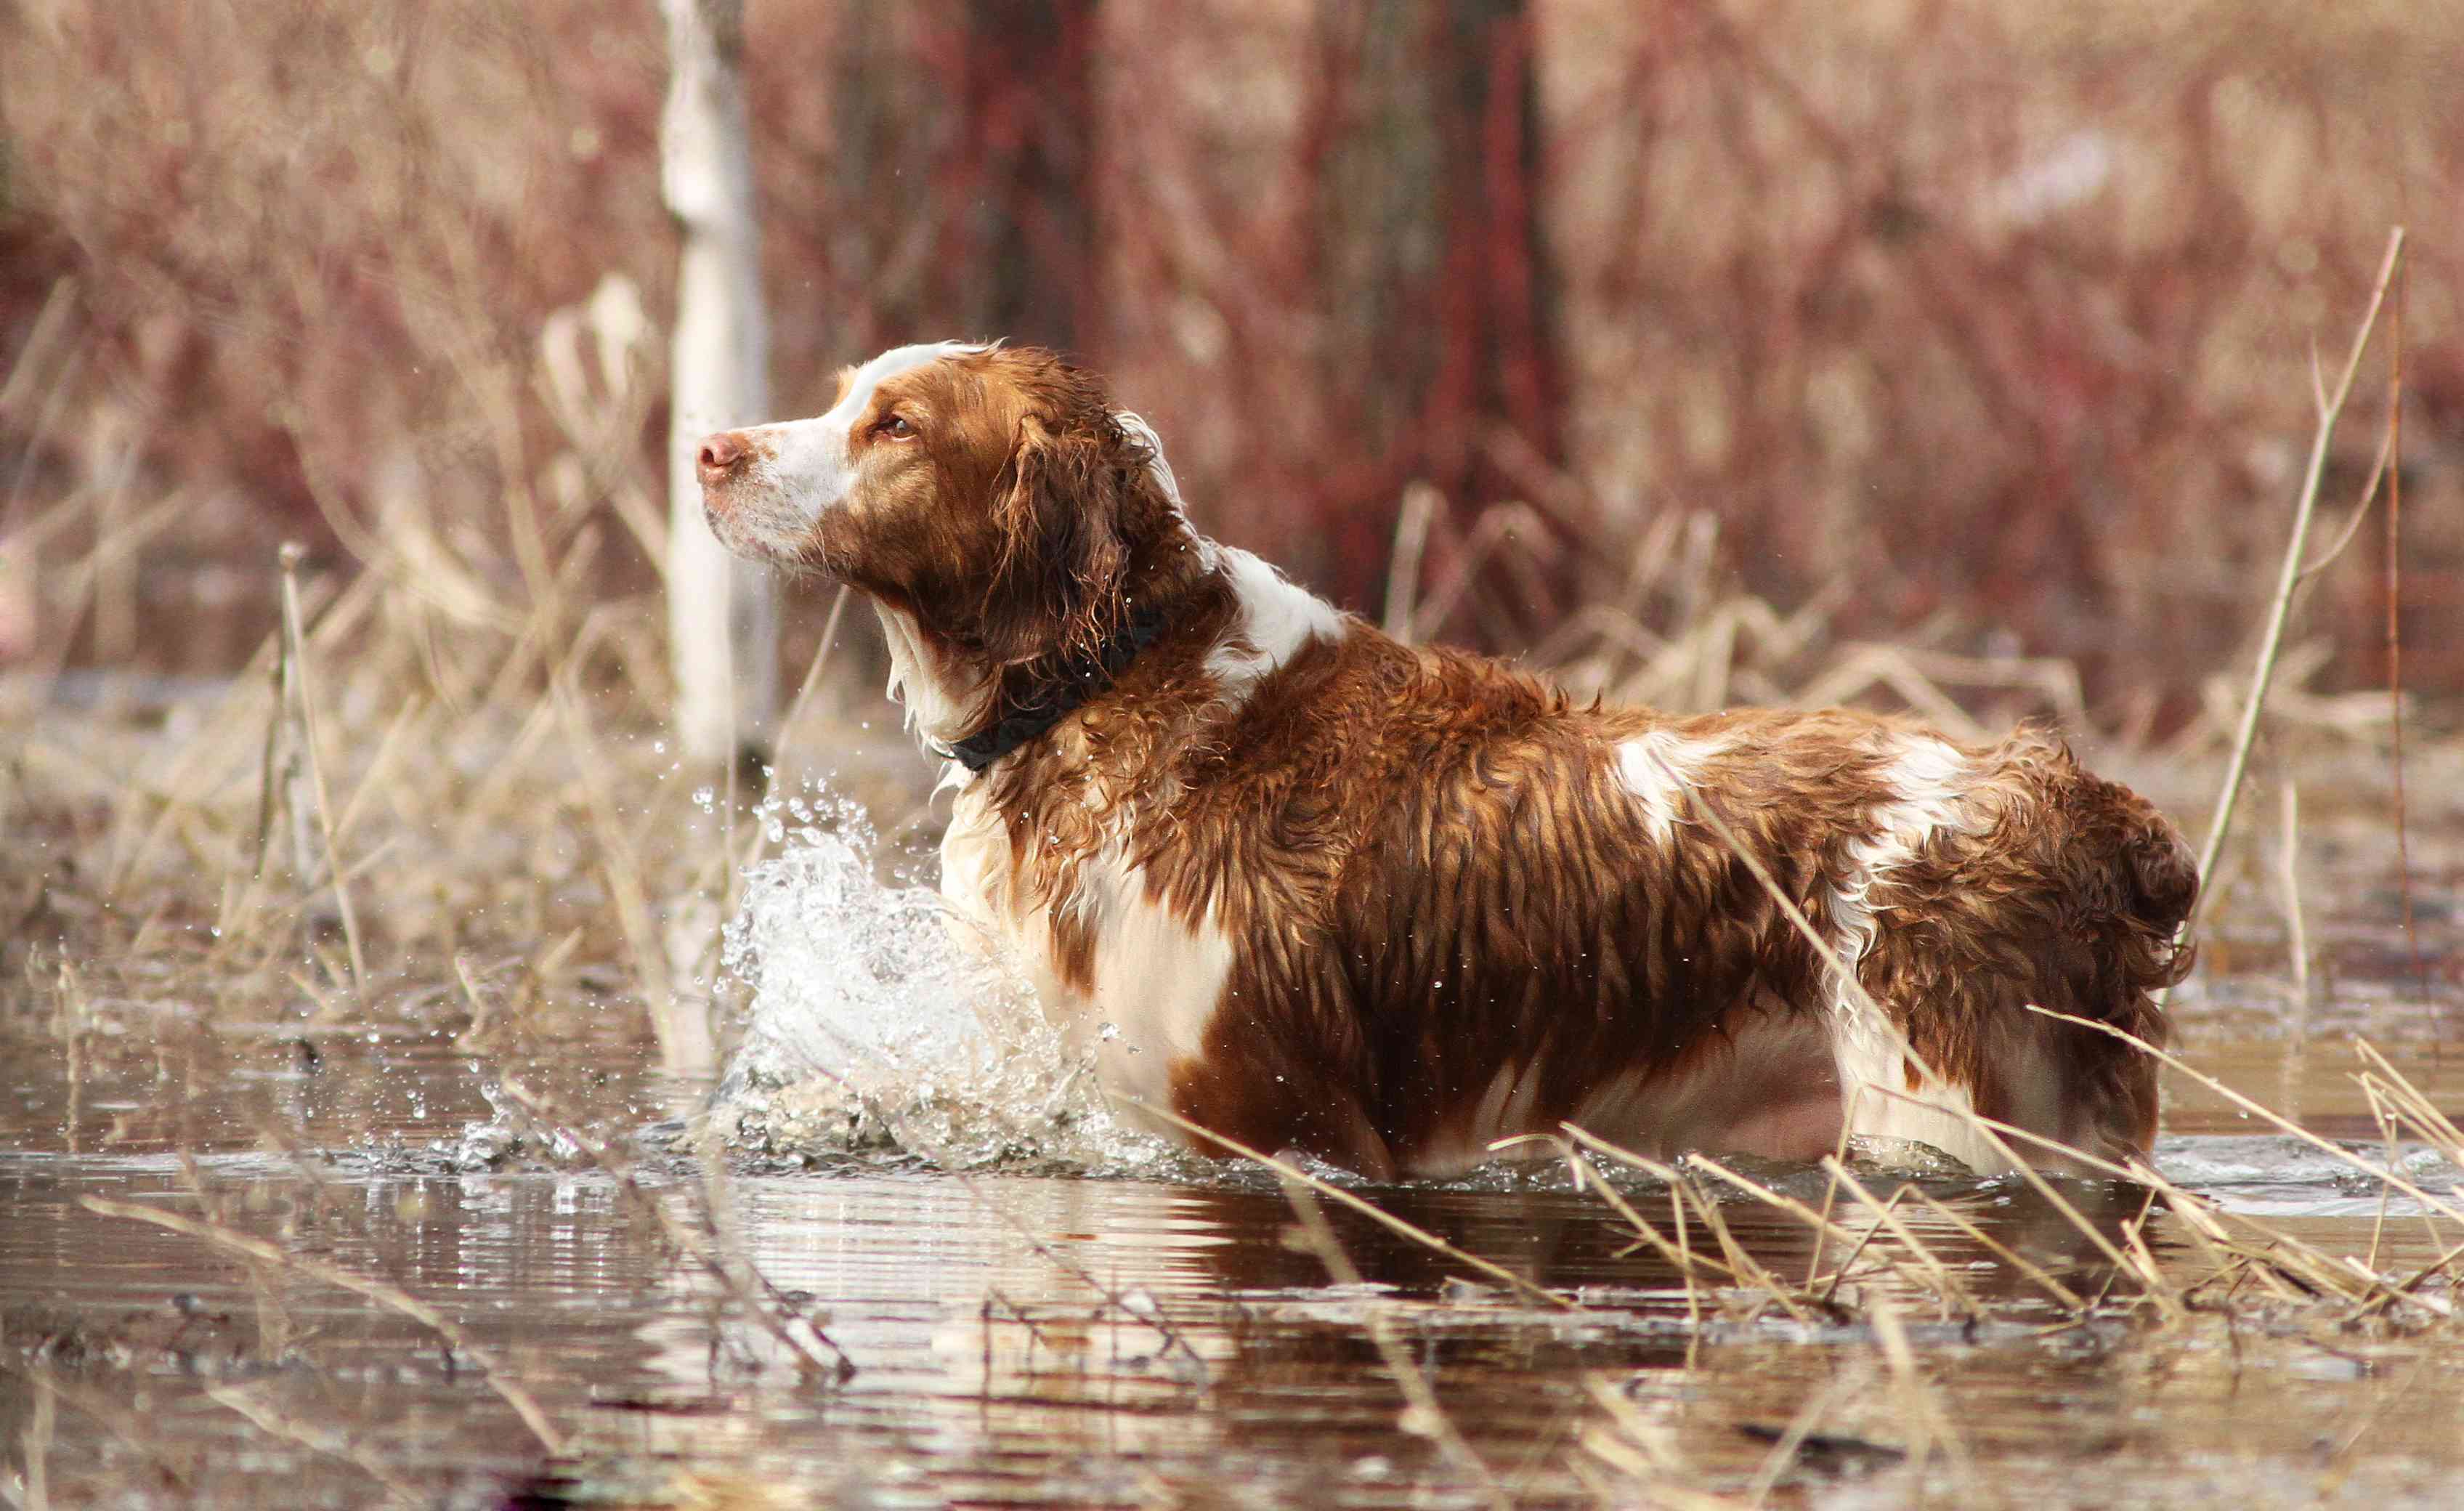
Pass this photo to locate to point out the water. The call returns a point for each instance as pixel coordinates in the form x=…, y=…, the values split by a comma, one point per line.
x=1042, y=1308
x=872, y=1026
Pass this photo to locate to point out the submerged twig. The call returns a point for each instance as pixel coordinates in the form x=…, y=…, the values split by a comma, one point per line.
x=248, y=1246
x=257, y=1404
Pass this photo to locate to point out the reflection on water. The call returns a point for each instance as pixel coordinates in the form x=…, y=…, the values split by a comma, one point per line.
x=1026, y=1332
x=1068, y=1340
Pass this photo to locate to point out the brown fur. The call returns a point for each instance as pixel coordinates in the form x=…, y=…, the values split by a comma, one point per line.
x=1428, y=865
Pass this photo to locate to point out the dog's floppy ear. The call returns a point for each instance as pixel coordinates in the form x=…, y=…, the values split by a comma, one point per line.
x=1059, y=508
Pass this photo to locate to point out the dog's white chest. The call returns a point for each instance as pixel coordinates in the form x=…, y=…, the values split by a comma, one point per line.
x=1158, y=981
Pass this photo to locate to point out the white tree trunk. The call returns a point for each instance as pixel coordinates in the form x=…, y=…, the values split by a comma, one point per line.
x=722, y=613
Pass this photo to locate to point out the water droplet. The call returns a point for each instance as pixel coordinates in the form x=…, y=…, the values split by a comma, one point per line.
x=1108, y=1031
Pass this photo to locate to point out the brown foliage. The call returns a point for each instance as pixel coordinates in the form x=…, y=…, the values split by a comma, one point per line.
x=1999, y=313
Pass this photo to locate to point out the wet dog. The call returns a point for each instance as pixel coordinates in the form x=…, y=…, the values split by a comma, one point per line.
x=1309, y=886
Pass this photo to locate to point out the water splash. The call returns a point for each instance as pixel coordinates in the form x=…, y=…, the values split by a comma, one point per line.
x=873, y=1029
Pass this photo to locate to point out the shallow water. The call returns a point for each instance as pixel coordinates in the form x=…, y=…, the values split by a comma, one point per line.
x=1071, y=1318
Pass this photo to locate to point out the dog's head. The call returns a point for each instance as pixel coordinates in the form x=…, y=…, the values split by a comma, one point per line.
x=993, y=495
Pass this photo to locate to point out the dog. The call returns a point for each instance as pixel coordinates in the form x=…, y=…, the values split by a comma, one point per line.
x=1310, y=888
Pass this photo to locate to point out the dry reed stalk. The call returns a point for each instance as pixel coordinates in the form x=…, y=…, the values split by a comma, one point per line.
x=2388, y=1129
x=1748, y=1270
x=686, y=1045
x=2285, y=1253
x=373, y=780
x=1949, y=1293
x=2288, y=875
x=1679, y=1253
x=200, y=766
x=1490, y=534
x=2067, y=1298
x=71, y=1020
x=1645, y=1452
x=1809, y=1415
x=1420, y=505
x=139, y=1434
x=2394, y=447
x=1370, y=1210
x=101, y=585
x=391, y=1296
x=1686, y=1269
x=1848, y=1261
x=301, y=705
x=1424, y=1416
x=273, y=1325
x=2411, y=1103
x=1924, y=1404
x=812, y=680
x=2288, y=578
x=36, y=1442
x=48, y=336
x=256, y=1403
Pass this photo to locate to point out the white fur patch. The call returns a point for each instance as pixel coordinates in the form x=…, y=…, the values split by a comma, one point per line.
x=1929, y=785
x=1660, y=767
x=1159, y=982
x=806, y=462
x=937, y=711
x=1278, y=617
x=1145, y=434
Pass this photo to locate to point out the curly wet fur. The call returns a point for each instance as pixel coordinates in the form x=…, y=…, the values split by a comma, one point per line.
x=1321, y=889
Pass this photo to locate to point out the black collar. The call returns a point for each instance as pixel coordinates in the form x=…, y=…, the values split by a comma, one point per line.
x=1080, y=678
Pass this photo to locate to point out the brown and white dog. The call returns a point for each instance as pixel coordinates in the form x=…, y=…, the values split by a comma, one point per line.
x=1311, y=887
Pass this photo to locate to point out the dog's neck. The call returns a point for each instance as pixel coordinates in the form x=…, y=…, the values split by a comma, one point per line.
x=1055, y=696
x=973, y=711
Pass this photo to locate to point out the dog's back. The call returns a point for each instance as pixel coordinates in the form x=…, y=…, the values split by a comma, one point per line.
x=1503, y=911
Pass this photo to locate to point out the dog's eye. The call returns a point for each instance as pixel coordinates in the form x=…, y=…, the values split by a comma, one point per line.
x=896, y=427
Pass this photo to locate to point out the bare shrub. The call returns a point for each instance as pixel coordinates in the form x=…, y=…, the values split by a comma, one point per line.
x=1999, y=315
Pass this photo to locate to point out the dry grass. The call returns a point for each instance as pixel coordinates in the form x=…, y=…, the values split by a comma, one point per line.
x=436, y=801
x=529, y=875
x=433, y=801
x=1991, y=323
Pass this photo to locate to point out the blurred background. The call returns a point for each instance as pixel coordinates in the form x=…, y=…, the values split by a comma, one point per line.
x=1976, y=327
